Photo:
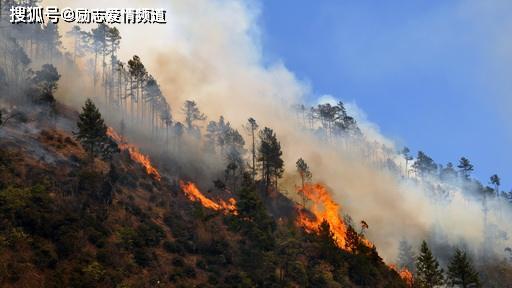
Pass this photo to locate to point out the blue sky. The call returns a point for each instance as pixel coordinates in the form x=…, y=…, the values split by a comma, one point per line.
x=434, y=75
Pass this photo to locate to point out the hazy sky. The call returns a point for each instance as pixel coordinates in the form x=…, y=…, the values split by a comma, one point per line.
x=434, y=75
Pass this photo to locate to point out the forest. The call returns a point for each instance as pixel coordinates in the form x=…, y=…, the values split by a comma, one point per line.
x=106, y=180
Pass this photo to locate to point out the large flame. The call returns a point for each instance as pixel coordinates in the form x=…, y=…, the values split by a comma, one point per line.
x=405, y=274
x=193, y=193
x=323, y=207
x=135, y=154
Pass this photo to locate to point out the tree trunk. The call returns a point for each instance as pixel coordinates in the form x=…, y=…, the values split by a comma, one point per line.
x=253, y=156
x=95, y=66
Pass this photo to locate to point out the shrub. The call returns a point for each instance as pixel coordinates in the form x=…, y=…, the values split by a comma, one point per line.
x=201, y=264
x=143, y=257
x=44, y=255
x=174, y=247
x=178, y=261
x=189, y=271
x=150, y=234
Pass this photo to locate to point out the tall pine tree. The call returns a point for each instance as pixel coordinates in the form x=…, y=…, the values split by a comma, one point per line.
x=465, y=167
x=461, y=272
x=253, y=127
x=270, y=157
x=428, y=273
x=305, y=176
x=92, y=132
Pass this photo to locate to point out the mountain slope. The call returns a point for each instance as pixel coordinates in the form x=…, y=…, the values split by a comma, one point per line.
x=70, y=223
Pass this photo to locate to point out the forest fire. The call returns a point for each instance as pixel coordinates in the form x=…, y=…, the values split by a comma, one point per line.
x=193, y=193
x=405, y=274
x=324, y=208
x=135, y=154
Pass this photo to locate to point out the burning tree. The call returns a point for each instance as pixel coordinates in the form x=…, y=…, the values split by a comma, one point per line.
x=92, y=132
x=323, y=207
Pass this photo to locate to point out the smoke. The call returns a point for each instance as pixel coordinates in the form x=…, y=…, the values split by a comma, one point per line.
x=210, y=52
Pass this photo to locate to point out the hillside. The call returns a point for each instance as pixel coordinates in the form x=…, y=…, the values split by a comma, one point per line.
x=70, y=223
x=185, y=154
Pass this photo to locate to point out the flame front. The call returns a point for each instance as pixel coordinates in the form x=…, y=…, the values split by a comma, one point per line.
x=323, y=207
x=405, y=274
x=135, y=154
x=193, y=193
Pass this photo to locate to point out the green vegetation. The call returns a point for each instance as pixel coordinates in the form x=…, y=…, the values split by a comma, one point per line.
x=428, y=272
x=69, y=220
x=92, y=132
x=461, y=272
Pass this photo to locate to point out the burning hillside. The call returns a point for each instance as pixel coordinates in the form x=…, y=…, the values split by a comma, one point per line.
x=193, y=193
x=323, y=207
x=74, y=214
x=405, y=274
x=135, y=154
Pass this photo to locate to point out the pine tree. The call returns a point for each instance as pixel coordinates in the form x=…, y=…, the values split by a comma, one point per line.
x=448, y=173
x=461, y=272
x=424, y=164
x=428, y=273
x=305, y=176
x=328, y=247
x=138, y=75
x=253, y=127
x=76, y=33
x=233, y=154
x=258, y=224
x=465, y=167
x=496, y=181
x=45, y=80
x=407, y=157
x=92, y=132
x=192, y=114
x=270, y=155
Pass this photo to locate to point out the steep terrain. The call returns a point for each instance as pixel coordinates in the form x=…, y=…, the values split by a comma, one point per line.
x=66, y=222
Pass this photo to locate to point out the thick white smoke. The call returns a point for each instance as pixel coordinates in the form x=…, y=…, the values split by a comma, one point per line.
x=209, y=52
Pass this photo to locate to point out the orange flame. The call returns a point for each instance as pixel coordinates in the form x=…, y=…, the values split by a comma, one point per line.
x=405, y=274
x=135, y=154
x=323, y=207
x=193, y=193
